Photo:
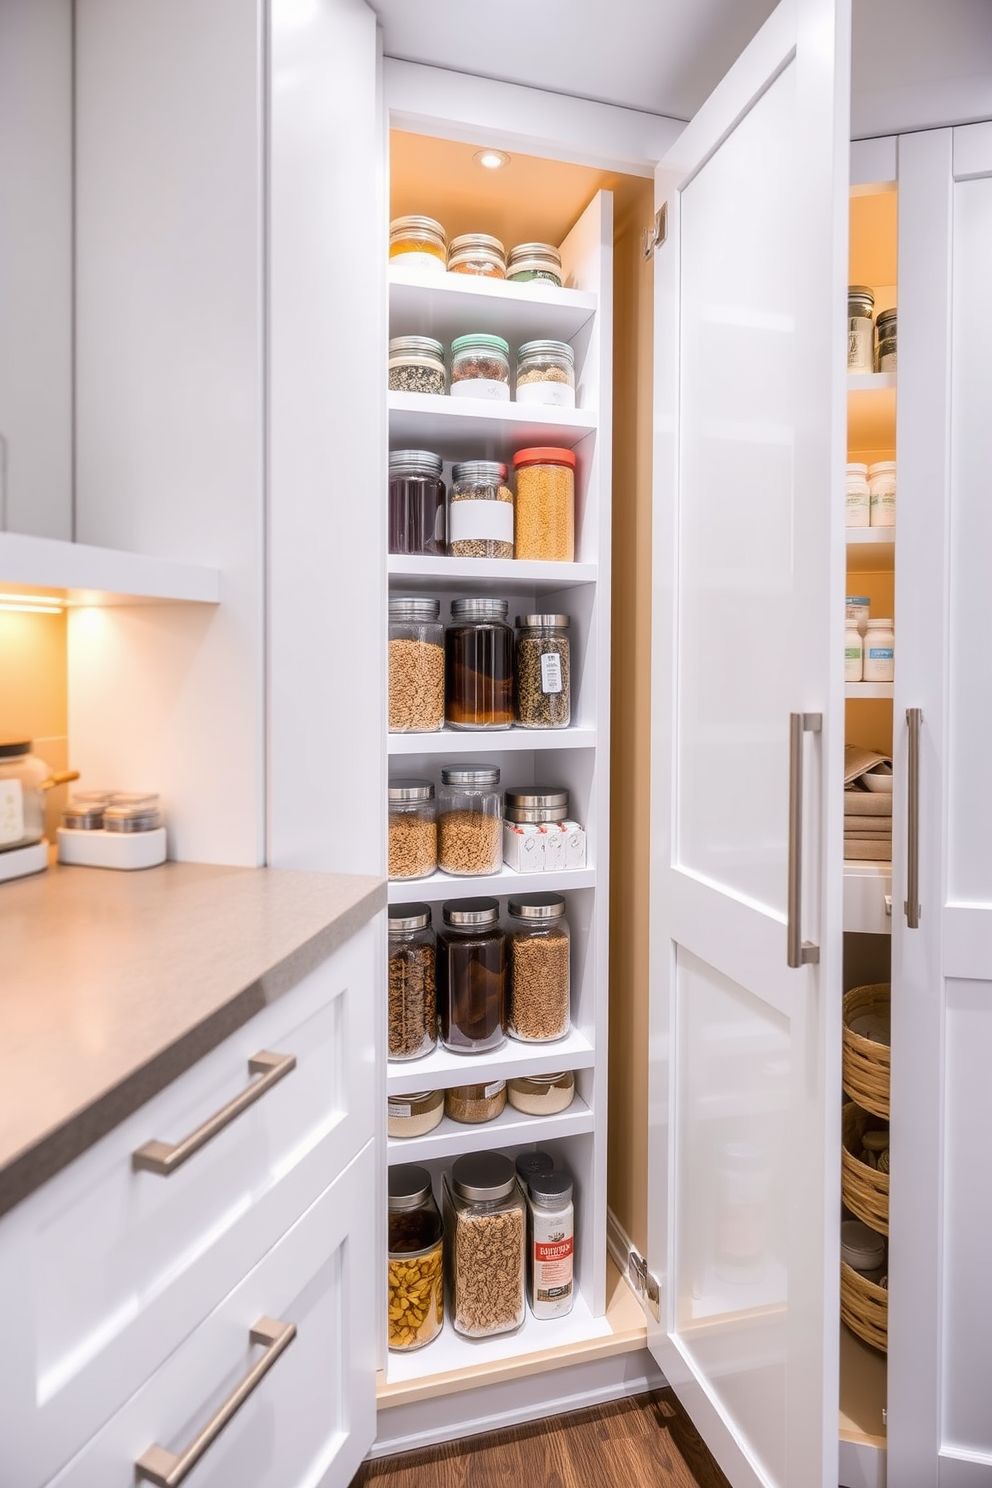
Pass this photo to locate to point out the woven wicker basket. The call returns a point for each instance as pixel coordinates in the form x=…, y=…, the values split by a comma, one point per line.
x=864, y=1307
x=866, y=1063
x=864, y=1190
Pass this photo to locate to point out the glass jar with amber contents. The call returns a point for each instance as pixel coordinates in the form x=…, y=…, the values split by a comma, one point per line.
x=478, y=658
x=416, y=1279
x=418, y=243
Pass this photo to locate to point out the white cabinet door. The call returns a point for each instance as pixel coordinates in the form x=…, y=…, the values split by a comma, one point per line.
x=940, y=1346
x=749, y=567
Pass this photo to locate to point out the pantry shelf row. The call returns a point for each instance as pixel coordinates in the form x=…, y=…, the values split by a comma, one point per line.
x=451, y=1138
x=454, y=742
x=443, y=305
x=442, y=1068
x=440, y=886
x=513, y=576
x=476, y=429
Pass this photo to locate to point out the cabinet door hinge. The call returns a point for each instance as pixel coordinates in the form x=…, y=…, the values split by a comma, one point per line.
x=657, y=233
x=645, y=1284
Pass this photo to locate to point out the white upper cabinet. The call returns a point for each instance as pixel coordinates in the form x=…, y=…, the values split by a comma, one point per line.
x=748, y=720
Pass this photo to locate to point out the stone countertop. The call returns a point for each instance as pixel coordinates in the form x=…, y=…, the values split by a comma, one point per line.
x=114, y=984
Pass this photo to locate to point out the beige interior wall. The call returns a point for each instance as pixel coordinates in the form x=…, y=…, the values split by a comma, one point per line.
x=34, y=694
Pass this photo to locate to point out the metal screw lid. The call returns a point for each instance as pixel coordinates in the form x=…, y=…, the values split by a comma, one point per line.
x=468, y=912
x=483, y=1176
x=411, y=607
x=416, y=346
x=480, y=472
x=409, y=1185
x=409, y=789
x=467, y=241
x=419, y=462
x=553, y=1189
x=401, y=225
x=886, y=318
x=409, y=916
x=560, y=349
x=535, y=250
x=861, y=292
x=479, y=609
x=536, y=907
x=534, y=798
x=537, y=622
x=470, y=774
x=132, y=813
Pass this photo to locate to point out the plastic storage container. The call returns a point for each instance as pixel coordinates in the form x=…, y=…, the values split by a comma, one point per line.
x=480, y=368
x=485, y=1220
x=853, y=653
x=417, y=522
x=534, y=261
x=882, y=488
x=880, y=651
x=478, y=650
x=856, y=496
x=545, y=526
x=416, y=666
x=551, y=1244
x=480, y=515
x=539, y=945
x=416, y=1259
x=412, y=818
x=471, y=976
x=416, y=365
x=546, y=374
x=543, y=673
x=412, y=998
x=477, y=253
x=418, y=243
x=857, y=610
x=469, y=820
x=860, y=329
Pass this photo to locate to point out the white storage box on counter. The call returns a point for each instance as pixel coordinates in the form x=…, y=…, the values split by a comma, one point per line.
x=107, y=830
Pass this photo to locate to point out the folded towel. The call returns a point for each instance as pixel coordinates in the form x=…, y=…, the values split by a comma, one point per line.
x=858, y=761
x=878, y=850
x=867, y=803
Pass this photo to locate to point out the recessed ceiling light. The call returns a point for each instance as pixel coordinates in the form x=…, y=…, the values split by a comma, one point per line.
x=491, y=159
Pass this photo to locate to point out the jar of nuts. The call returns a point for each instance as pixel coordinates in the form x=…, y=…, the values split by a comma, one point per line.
x=416, y=1235
x=480, y=368
x=546, y=373
x=543, y=672
x=412, y=981
x=480, y=513
x=485, y=1219
x=545, y=511
x=412, y=828
x=471, y=976
x=469, y=820
x=539, y=956
x=416, y=666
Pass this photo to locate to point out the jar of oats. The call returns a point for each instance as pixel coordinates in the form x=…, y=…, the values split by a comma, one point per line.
x=416, y=1254
x=539, y=946
x=545, y=509
x=416, y=666
x=546, y=374
x=480, y=511
x=543, y=672
x=412, y=999
x=470, y=831
x=485, y=1221
x=412, y=828
x=471, y=977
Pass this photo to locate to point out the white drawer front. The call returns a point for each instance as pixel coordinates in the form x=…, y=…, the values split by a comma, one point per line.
x=105, y=1270
x=311, y=1419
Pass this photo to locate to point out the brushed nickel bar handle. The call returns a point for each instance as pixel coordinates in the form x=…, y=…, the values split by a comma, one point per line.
x=165, y=1157
x=799, y=952
x=911, y=906
x=168, y=1469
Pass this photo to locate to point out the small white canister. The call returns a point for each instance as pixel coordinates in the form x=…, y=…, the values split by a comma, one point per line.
x=880, y=652
x=882, y=488
x=853, y=653
x=857, y=497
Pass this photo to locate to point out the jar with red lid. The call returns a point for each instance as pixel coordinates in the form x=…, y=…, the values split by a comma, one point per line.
x=545, y=506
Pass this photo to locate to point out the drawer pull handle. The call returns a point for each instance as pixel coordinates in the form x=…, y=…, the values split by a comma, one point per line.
x=168, y=1469
x=799, y=952
x=165, y=1157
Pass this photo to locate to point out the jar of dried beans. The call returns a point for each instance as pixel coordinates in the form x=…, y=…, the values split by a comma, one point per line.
x=543, y=672
x=469, y=820
x=480, y=519
x=416, y=365
x=478, y=650
x=480, y=368
x=416, y=666
x=412, y=981
x=477, y=253
x=471, y=976
x=546, y=373
x=539, y=985
x=475, y=1104
x=545, y=510
x=529, y=261
x=416, y=503
x=418, y=243
x=485, y=1219
x=412, y=829
x=416, y=1255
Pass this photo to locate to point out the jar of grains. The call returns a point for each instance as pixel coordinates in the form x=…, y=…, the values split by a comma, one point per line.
x=418, y=243
x=477, y=253
x=478, y=650
x=480, y=368
x=416, y=1254
x=480, y=517
x=471, y=977
x=412, y=829
x=551, y=1247
x=416, y=666
x=885, y=352
x=880, y=651
x=545, y=521
x=546, y=373
x=485, y=1258
x=412, y=981
x=856, y=495
x=542, y=1095
x=469, y=820
x=543, y=672
x=529, y=261
x=539, y=952
x=474, y=1104
x=416, y=365
x=882, y=493
x=414, y=1114
x=416, y=503
x=860, y=329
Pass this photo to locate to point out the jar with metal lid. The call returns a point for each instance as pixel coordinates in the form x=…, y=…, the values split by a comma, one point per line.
x=416, y=666
x=84, y=811
x=132, y=813
x=22, y=794
x=545, y=510
x=416, y=503
x=416, y=365
x=471, y=976
x=885, y=351
x=530, y=261
x=880, y=651
x=542, y=1095
x=853, y=652
x=537, y=803
x=412, y=1002
x=475, y=1104
x=480, y=368
x=414, y=1114
x=469, y=820
x=860, y=329
x=485, y=1258
x=477, y=253
x=543, y=672
x=546, y=374
x=535, y=830
x=551, y=1247
x=412, y=828
x=478, y=651
x=416, y=1259
x=856, y=496
x=418, y=243
x=480, y=515
x=539, y=946
x=882, y=493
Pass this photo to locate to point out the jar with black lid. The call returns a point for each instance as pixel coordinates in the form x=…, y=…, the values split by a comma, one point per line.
x=539, y=947
x=471, y=976
x=416, y=503
x=479, y=665
x=416, y=1256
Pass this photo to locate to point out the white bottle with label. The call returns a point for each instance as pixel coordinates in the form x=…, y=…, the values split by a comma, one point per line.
x=551, y=1251
x=857, y=497
x=853, y=653
x=880, y=652
x=882, y=491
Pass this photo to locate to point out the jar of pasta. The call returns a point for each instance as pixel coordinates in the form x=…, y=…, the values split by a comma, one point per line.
x=416, y=1276
x=418, y=243
x=545, y=507
x=539, y=947
x=487, y=1244
x=477, y=253
x=480, y=515
x=480, y=368
x=412, y=828
x=412, y=982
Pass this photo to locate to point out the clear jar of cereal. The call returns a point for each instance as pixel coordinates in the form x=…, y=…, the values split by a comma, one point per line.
x=480, y=368
x=469, y=820
x=416, y=666
x=412, y=828
x=485, y=1219
x=418, y=243
x=412, y=998
x=545, y=507
x=480, y=513
x=477, y=253
x=540, y=956
x=416, y=1253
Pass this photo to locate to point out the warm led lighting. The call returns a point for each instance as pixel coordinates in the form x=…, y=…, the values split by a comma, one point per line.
x=42, y=604
x=491, y=159
x=32, y=609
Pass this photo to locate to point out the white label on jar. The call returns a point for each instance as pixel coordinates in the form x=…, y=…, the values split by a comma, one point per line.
x=400, y=1108
x=416, y=260
x=482, y=387
x=490, y=1090
x=860, y=348
x=552, y=1260
x=11, y=812
x=551, y=394
x=470, y=521
x=550, y=671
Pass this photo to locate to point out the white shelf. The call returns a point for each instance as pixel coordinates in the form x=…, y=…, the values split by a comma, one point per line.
x=869, y=689
x=449, y=305
x=477, y=429
x=868, y=897
x=510, y=1129
x=444, y=886
x=870, y=382
x=82, y=575
x=871, y=549
x=503, y=575
x=498, y=741
x=442, y=1068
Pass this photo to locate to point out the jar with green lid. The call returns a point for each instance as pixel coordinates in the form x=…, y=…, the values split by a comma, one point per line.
x=477, y=253
x=539, y=944
x=486, y=1253
x=546, y=374
x=860, y=329
x=528, y=262
x=416, y=1259
x=416, y=365
x=480, y=368
x=480, y=514
x=418, y=243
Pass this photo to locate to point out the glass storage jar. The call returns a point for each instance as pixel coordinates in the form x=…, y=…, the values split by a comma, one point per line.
x=545, y=509
x=546, y=374
x=882, y=493
x=478, y=650
x=477, y=253
x=485, y=1257
x=416, y=365
x=416, y=666
x=529, y=261
x=471, y=976
x=539, y=945
x=469, y=820
x=880, y=651
x=480, y=368
x=418, y=243
x=414, y=1114
x=860, y=329
x=475, y=1104
x=416, y=1258
x=542, y=1095
x=412, y=1002
x=412, y=828
x=480, y=516
x=416, y=503
x=84, y=811
x=885, y=351
x=132, y=813
x=543, y=672
x=22, y=799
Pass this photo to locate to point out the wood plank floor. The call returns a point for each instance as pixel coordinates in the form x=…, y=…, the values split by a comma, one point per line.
x=644, y=1441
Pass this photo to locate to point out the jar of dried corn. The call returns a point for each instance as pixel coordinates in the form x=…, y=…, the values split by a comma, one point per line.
x=416, y=1288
